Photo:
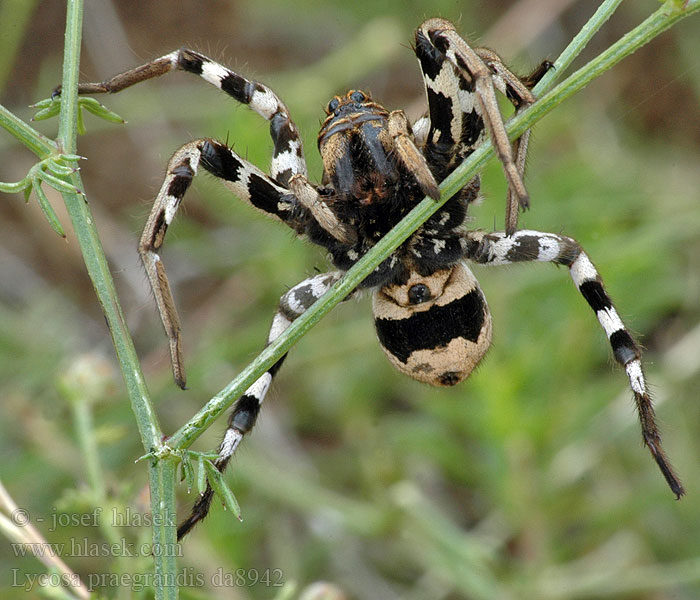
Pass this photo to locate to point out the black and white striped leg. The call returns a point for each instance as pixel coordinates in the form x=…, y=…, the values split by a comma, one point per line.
x=245, y=411
x=460, y=83
x=517, y=90
x=271, y=194
x=462, y=98
x=498, y=249
x=288, y=154
x=244, y=179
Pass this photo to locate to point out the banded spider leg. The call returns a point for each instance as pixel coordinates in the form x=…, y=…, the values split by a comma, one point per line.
x=245, y=411
x=460, y=83
x=524, y=245
x=285, y=194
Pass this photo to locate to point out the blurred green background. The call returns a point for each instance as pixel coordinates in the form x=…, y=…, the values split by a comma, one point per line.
x=528, y=481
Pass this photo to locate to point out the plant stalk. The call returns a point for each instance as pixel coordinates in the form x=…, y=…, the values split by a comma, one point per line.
x=162, y=471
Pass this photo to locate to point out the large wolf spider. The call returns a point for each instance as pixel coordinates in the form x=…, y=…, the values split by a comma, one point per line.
x=431, y=316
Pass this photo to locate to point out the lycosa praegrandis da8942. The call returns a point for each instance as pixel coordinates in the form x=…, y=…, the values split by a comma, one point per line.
x=431, y=316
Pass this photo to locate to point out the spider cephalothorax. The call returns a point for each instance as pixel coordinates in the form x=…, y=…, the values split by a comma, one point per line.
x=431, y=317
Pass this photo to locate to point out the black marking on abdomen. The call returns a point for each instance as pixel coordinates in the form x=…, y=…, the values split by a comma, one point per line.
x=433, y=328
x=450, y=378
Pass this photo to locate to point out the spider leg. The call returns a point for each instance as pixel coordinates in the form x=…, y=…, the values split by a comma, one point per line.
x=517, y=90
x=288, y=154
x=409, y=155
x=499, y=249
x=267, y=193
x=309, y=198
x=244, y=179
x=245, y=411
x=460, y=83
x=461, y=96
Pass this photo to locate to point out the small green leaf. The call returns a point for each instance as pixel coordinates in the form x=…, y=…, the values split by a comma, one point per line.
x=80, y=122
x=58, y=169
x=187, y=471
x=71, y=157
x=201, y=475
x=46, y=113
x=150, y=455
x=47, y=209
x=43, y=103
x=59, y=184
x=217, y=483
x=99, y=110
x=14, y=188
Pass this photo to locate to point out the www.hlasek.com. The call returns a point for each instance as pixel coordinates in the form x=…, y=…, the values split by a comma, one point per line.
x=83, y=547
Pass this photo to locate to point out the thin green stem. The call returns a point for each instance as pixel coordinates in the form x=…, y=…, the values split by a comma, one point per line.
x=86, y=232
x=162, y=471
x=36, y=142
x=653, y=26
x=81, y=400
x=662, y=19
x=85, y=430
x=91, y=247
x=68, y=117
x=165, y=548
x=98, y=269
x=576, y=46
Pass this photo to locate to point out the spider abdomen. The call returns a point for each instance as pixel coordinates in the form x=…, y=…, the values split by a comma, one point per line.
x=434, y=328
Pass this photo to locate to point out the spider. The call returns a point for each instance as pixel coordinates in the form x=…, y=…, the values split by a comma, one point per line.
x=431, y=317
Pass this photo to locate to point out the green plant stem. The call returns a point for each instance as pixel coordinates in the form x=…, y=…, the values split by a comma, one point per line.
x=39, y=144
x=162, y=480
x=659, y=21
x=85, y=430
x=86, y=232
x=68, y=117
x=162, y=471
x=90, y=245
x=575, y=47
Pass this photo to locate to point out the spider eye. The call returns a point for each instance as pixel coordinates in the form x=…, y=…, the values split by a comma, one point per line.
x=332, y=105
x=358, y=96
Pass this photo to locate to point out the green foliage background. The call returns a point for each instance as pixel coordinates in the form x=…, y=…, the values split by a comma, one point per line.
x=527, y=481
